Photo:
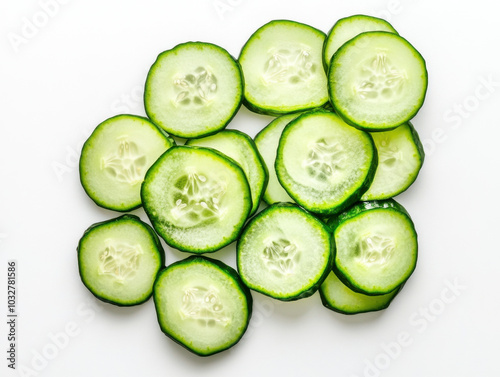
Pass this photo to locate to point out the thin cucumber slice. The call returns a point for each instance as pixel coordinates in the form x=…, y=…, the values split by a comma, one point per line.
x=377, y=81
x=193, y=90
x=267, y=141
x=202, y=305
x=401, y=156
x=242, y=149
x=118, y=260
x=284, y=252
x=338, y=297
x=376, y=247
x=282, y=66
x=196, y=198
x=324, y=164
x=115, y=158
x=347, y=28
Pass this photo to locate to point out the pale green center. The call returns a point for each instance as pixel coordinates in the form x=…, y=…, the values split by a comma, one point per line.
x=280, y=256
x=388, y=153
x=126, y=164
x=380, y=79
x=198, y=198
x=196, y=88
x=203, y=305
x=119, y=260
x=375, y=249
x=291, y=66
x=325, y=158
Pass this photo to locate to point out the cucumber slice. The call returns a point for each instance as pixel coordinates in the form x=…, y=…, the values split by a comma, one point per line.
x=401, y=156
x=202, y=305
x=282, y=66
x=336, y=296
x=284, y=252
x=115, y=158
x=267, y=141
x=376, y=247
x=347, y=28
x=324, y=164
x=242, y=149
x=193, y=90
x=377, y=81
x=118, y=260
x=196, y=198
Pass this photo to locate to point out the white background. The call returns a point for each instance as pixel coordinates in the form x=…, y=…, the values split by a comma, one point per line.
x=68, y=66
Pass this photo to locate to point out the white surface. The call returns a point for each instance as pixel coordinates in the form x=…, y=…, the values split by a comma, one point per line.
x=87, y=61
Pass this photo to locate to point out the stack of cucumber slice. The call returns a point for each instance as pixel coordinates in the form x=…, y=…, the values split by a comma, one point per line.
x=327, y=169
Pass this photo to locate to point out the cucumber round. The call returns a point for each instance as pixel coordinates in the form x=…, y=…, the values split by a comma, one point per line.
x=267, y=141
x=376, y=246
x=377, y=81
x=196, y=198
x=282, y=66
x=115, y=158
x=193, y=90
x=401, y=156
x=336, y=296
x=202, y=304
x=284, y=252
x=324, y=164
x=347, y=28
x=242, y=149
x=118, y=260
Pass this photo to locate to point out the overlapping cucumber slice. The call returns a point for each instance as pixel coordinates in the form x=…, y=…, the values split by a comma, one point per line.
x=118, y=260
x=377, y=81
x=196, y=198
x=284, y=252
x=193, y=89
x=202, y=304
x=376, y=246
x=324, y=164
x=283, y=69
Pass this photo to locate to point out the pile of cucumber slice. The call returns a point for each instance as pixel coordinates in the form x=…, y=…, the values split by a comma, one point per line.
x=308, y=201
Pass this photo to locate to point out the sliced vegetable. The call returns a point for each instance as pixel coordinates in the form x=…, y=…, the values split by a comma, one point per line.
x=242, y=149
x=115, y=158
x=267, y=141
x=118, y=260
x=193, y=90
x=347, y=28
x=377, y=81
x=401, y=156
x=284, y=252
x=202, y=304
x=196, y=198
x=376, y=247
x=336, y=296
x=324, y=164
x=282, y=66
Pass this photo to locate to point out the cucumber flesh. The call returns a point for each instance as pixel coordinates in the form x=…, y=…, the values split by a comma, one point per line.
x=349, y=27
x=282, y=66
x=118, y=260
x=202, y=305
x=377, y=81
x=193, y=90
x=242, y=149
x=267, y=141
x=324, y=164
x=336, y=296
x=401, y=156
x=196, y=198
x=284, y=252
x=115, y=158
x=376, y=247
